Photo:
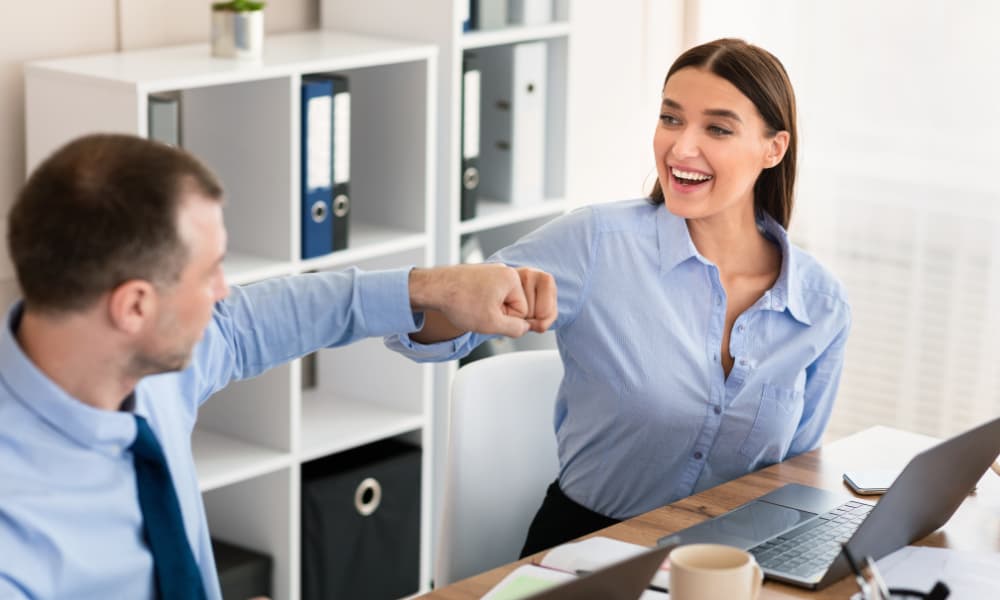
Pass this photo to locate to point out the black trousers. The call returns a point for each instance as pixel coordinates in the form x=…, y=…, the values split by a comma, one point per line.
x=560, y=520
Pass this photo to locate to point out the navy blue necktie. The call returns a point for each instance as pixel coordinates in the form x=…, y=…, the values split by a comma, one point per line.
x=175, y=570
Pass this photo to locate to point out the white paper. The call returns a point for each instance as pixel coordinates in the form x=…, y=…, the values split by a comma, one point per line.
x=597, y=552
x=969, y=575
x=526, y=578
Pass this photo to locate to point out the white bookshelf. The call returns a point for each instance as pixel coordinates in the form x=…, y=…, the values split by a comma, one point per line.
x=497, y=224
x=242, y=119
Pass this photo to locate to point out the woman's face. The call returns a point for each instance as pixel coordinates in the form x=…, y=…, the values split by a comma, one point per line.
x=710, y=145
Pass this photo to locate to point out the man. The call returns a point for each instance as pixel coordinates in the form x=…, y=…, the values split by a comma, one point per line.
x=126, y=326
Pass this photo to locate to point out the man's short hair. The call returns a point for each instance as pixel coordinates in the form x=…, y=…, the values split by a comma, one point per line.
x=98, y=212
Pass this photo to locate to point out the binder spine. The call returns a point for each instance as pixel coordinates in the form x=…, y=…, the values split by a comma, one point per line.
x=164, y=118
x=341, y=161
x=513, y=123
x=469, y=184
x=530, y=12
x=316, y=166
x=492, y=14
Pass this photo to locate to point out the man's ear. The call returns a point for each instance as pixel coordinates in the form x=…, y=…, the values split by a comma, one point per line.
x=776, y=148
x=132, y=305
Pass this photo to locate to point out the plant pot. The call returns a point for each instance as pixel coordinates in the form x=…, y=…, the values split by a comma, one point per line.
x=238, y=34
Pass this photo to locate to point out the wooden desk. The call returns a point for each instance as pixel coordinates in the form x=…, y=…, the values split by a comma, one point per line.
x=976, y=525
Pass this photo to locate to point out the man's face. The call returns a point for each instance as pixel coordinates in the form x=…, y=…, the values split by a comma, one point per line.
x=185, y=307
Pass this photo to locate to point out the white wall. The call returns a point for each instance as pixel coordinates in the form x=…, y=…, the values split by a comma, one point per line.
x=897, y=194
x=898, y=106
x=619, y=54
x=57, y=28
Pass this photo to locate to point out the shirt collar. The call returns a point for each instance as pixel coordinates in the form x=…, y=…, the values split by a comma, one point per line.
x=675, y=240
x=787, y=290
x=676, y=247
x=107, y=431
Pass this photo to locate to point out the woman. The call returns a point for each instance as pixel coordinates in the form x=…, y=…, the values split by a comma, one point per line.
x=698, y=343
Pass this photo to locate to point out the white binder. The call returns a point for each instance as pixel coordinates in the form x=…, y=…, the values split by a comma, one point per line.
x=530, y=12
x=492, y=14
x=164, y=118
x=512, y=155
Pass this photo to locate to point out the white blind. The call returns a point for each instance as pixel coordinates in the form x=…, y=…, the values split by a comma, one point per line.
x=898, y=192
x=920, y=263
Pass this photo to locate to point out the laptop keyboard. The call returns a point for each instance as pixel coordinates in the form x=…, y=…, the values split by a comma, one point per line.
x=808, y=550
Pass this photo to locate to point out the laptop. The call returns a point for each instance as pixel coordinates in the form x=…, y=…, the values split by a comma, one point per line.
x=796, y=531
x=623, y=580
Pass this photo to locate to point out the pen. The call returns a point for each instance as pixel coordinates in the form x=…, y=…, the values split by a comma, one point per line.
x=651, y=586
x=877, y=577
x=865, y=589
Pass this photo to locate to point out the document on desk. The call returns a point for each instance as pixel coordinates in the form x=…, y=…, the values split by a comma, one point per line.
x=567, y=561
x=970, y=575
x=596, y=552
x=525, y=581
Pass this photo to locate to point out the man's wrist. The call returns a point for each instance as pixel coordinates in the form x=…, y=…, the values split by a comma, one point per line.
x=421, y=289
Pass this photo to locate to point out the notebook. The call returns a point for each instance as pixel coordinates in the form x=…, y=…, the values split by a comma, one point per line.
x=624, y=580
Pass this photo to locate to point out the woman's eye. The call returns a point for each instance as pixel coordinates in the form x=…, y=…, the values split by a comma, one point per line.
x=669, y=120
x=718, y=131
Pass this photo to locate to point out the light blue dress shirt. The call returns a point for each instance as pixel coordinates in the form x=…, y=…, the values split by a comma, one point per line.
x=70, y=523
x=645, y=414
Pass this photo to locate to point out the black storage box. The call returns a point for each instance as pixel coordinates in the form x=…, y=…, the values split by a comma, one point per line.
x=243, y=573
x=361, y=523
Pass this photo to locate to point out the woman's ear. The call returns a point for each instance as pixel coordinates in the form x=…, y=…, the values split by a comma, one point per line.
x=132, y=305
x=777, y=146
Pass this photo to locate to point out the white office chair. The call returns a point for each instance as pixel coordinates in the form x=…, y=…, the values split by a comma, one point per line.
x=501, y=457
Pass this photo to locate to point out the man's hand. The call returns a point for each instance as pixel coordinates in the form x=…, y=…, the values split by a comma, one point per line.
x=540, y=294
x=486, y=298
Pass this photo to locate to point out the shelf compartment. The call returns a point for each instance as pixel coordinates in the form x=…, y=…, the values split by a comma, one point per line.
x=331, y=424
x=368, y=241
x=361, y=393
x=258, y=514
x=223, y=460
x=245, y=268
x=492, y=214
x=193, y=66
x=514, y=35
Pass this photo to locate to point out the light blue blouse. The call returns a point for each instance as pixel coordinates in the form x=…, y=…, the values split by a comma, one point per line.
x=645, y=414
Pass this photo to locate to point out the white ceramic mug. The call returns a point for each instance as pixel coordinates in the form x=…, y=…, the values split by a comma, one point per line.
x=713, y=572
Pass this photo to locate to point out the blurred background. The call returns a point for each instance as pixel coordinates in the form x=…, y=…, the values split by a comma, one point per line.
x=897, y=191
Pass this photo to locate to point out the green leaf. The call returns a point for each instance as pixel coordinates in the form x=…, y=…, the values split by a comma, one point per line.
x=238, y=6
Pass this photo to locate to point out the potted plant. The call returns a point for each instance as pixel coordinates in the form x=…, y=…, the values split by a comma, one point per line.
x=238, y=29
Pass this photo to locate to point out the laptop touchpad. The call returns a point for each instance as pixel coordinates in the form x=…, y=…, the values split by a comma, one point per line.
x=744, y=527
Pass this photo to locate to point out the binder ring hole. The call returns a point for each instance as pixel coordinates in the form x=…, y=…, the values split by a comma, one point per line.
x=318, y=211
x=531, y=88
x=341, y=206
x=368, y=496
x=470, y=178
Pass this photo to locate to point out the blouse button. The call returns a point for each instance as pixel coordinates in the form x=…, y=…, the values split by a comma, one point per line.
x=717, y=409
x=698, y=455
x=739, y=328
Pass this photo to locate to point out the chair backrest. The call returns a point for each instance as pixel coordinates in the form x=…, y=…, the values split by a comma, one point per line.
x=501, y=457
